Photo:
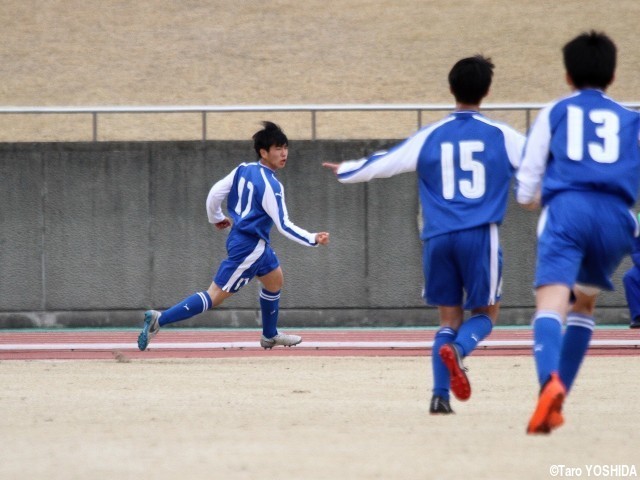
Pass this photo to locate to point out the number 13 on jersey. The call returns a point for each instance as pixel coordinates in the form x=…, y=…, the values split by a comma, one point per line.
x=607, y=128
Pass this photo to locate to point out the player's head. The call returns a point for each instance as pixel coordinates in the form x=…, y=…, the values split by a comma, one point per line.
x=470, y=79
x=590, y=60
x=271, y=135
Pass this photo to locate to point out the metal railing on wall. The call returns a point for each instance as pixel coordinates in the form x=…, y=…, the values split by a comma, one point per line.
x=312, y=110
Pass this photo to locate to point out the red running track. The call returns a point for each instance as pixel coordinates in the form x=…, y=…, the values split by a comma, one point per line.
x=121, y=345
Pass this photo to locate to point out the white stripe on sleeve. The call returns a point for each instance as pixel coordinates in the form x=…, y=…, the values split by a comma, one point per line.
x=513, y=140
x=280, y=217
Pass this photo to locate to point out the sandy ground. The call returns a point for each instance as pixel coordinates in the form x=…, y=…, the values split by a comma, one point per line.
x=303, y=418
x=229, y=52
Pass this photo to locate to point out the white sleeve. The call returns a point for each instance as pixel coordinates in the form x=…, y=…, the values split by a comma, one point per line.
x=216, y=196
x=534, y=159
x=514, y=143
x=275, y=206
x=400, y=159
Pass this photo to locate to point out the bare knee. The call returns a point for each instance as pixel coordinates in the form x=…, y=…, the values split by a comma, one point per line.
x=273, y=281
x=585, y=303
x=217, y=295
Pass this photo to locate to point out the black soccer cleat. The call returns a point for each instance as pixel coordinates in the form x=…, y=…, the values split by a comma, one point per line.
x=440, y=406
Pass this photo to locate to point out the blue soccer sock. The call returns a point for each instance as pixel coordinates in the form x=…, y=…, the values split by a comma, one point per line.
x=441, y=378
x=547, y=339
x=472, y=331
x=574, y=346
x=269, y=306
x=187, y=308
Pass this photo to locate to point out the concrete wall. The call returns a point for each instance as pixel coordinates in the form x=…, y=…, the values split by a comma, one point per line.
x=92, y=234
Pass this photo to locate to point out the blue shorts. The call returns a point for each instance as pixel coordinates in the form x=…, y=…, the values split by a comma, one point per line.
x=464, y=261
x=582, y=239
x=248, y=257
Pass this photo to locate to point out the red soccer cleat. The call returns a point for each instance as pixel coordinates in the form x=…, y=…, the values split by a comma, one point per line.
x=452, y=359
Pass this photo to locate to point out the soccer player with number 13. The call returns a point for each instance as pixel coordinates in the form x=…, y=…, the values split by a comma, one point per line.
x=582, y=165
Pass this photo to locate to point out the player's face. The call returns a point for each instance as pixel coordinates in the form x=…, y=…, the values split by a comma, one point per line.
x=276, y=157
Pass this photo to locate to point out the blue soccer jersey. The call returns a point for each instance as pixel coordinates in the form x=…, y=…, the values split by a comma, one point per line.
x=582, y=157
x=464, y=165
x=255, y=202
x=585, y=142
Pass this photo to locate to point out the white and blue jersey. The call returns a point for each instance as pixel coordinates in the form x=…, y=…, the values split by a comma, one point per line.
x=585, y=142
x=255, y=202
x=464, y=164
x=582, y=157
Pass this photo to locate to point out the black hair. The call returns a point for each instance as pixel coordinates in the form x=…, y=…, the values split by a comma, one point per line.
x=590, y=60
x=269, y=136
x=470, y=79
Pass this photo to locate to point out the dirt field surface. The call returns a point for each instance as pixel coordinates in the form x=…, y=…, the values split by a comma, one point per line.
x=344, y=404
x=304, y=418
x=229, y=52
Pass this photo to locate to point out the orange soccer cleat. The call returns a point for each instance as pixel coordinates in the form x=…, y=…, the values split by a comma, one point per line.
x=548, y=413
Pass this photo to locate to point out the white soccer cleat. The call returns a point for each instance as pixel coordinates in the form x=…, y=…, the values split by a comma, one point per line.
x=280, y=339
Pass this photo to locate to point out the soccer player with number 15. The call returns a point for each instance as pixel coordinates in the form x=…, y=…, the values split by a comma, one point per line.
x=464, y=165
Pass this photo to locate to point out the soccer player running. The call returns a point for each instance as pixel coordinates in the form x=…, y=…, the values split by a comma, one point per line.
x=582, y=164
x=255, y=201
x=464, y=164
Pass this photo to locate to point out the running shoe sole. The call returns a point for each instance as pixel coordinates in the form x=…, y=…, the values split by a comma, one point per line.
x=460, y=385
x=150, y=318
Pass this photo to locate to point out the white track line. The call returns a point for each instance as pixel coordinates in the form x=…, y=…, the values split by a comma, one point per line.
x=304, y=345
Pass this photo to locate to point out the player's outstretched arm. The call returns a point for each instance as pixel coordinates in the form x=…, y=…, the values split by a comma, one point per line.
x=382, y=164
x=322, y=238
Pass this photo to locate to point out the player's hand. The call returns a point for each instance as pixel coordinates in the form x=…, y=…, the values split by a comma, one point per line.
x=226, y=223
x=322, y=238
x=533, y=204
x=332, y=166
